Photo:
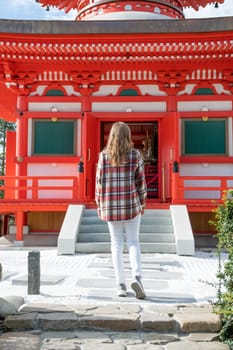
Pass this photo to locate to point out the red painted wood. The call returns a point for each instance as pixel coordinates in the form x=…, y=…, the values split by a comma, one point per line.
x=90, y=154
x=9, y=180
x=19, y=225
x=168, y=149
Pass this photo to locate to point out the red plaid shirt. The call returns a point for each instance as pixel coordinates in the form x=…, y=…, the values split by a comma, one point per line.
x=120, y=190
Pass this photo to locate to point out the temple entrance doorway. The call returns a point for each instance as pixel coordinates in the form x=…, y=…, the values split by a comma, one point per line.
x=145, y=139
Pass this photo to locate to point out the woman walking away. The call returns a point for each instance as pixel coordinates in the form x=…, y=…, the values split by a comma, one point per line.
x=120, y=197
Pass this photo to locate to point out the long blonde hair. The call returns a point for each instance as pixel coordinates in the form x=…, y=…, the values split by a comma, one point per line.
x=119, y=143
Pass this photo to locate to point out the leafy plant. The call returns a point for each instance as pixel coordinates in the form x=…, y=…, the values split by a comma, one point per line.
x=224, y=305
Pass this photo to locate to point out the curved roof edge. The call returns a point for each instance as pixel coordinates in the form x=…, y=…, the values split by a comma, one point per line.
x=219, y=24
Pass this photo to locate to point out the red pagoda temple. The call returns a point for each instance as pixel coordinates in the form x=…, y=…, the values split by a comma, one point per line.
x=140, y=61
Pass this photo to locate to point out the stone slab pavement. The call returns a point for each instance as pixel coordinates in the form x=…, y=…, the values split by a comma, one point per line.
x=89, y=278
x=112, y=326
x=77, y=307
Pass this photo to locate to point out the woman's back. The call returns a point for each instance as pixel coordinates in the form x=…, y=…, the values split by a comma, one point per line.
x=120, y=189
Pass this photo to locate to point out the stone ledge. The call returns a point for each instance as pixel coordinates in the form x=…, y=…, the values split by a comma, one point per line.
x=121, y=317
x=117, y=326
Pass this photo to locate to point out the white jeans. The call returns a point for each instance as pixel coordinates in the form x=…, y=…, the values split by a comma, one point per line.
x=131, y=230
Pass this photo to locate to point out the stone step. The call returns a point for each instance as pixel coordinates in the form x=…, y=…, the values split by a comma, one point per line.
x=147, y=212
x=156, y=233
x=156, y=229
x=100, y=228
x=144, y=237
x=105, y=247
x=147, y=220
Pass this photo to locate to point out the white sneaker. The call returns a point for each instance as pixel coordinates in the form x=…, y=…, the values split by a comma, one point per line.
x=138, y=288
x=121, y=290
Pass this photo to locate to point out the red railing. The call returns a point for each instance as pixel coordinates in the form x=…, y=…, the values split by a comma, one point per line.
x=185, y=189
x=37, y=188
x=200, y=189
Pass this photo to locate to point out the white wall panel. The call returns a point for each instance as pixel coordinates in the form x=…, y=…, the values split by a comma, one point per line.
x=198, y=106
x=61, y=106
x=52, y=169
x=124, y=106
x=206, y=169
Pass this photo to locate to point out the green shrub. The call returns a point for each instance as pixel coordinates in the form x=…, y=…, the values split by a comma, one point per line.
x=224, y=305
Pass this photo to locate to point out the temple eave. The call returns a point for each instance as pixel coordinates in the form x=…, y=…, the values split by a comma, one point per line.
x=73, y=28
x=157, y=49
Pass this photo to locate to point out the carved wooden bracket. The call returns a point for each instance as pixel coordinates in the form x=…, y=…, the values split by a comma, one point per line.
x=86, y=82
x=172, y=81
x=22, y=83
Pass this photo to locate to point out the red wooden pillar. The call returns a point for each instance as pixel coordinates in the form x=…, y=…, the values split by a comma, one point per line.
x=19, y=226
x=169, y=151
x=21, y=166
x=176, y=165
x=174, y=147
x=21, y=136
x=89, y=151
x=175, y=187
x=81, y=182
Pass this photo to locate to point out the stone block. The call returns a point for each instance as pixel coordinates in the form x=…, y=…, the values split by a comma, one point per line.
x=117, y=309
x=158, y=322
x=20, y=321
x=145, y=347
x=34, y=272
x=45, y=280
x=184, y=345
x=94, y=337
x=104, y=347
x=57, y=321
x=160, y=338
x=162, y=309
x=190, y=309
x=199, y=322
x=45, y=308
x=200, y=337
x=19, y=341
x=15, y=300
x=121, y=323
x=61, y=344
x=128, y=338
x=7, y=308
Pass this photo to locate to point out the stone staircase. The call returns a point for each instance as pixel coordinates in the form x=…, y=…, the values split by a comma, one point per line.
x=156, y=233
